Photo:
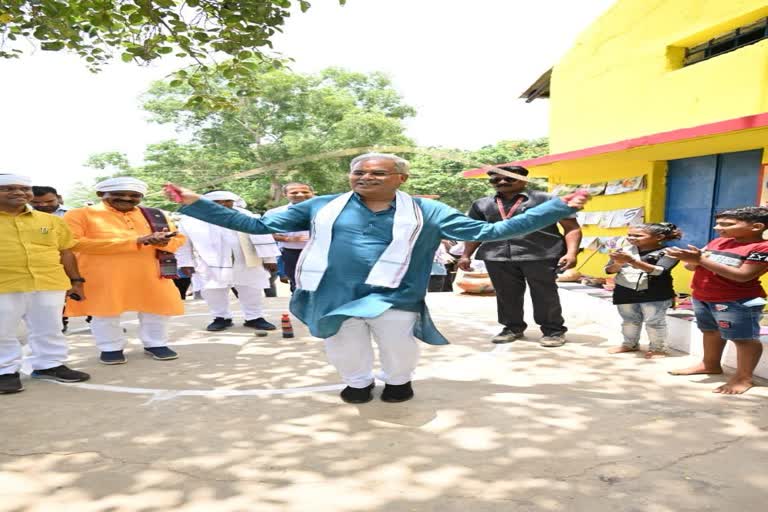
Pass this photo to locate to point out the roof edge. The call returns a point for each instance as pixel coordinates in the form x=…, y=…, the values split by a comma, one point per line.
x=539, y=88
x=703, y=130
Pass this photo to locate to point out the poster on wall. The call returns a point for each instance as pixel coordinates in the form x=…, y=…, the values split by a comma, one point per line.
x=562, y=189
x=625, y=185
x=594, y=189
x=764, y=186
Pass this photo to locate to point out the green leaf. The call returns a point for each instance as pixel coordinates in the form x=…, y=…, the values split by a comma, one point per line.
x=52, y=46
x=126, y=57
x=145, y=28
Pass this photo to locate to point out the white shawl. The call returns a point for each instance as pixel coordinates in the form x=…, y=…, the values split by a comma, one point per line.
x=206, y=240
x=392, y=264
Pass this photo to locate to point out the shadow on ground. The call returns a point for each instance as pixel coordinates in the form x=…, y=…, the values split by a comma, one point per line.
x=514, y=427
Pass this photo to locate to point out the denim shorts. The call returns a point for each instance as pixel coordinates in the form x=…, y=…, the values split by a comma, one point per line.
x=734, y=320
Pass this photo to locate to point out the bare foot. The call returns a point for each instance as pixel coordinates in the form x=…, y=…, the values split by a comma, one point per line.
x=655, y=354
x=734, y=386
x=621, y=349
x=698, y=369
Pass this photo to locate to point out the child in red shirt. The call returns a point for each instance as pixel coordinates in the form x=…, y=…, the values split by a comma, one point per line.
x=728, y=299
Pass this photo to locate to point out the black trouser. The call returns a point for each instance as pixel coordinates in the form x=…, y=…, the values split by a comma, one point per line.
x=509, y=280
x=450, y=276
x=272, y=290
x=290, y=259
x=182, y=284
x=436, y=283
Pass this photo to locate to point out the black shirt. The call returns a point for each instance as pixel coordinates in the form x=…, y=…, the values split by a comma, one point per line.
x=544, y=244
x=659, y=287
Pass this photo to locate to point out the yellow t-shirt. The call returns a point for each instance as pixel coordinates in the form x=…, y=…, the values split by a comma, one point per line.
x=30, y=245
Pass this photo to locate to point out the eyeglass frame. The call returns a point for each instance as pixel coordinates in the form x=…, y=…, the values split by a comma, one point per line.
x=497, y=179
x=363, y=173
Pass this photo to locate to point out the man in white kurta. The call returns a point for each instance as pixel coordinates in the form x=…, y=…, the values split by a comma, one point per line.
x=224, y=259
x=291, y=244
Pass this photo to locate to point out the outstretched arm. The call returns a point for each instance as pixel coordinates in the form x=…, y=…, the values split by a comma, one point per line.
x=292, y=219
x=457, y=226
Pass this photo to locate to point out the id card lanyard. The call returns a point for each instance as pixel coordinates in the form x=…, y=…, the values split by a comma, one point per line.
x=506, y=215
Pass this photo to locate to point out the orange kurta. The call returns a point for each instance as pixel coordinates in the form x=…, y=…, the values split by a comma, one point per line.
x=120, y=274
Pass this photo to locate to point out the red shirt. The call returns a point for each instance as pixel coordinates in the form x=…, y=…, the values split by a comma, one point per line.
x=710, y=287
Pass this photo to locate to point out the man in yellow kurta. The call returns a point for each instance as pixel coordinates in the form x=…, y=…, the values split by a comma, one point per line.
x=37, y=268
x=117, y=250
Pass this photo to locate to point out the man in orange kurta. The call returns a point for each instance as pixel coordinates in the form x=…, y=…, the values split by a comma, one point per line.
x=117, y=254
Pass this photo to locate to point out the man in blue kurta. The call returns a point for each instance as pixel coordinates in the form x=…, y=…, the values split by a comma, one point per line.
x=366, y=268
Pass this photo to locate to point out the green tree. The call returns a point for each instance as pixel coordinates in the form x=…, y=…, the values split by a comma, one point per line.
x=145, y=30
x=441, y=173
x=142, y=30
x=293, y=115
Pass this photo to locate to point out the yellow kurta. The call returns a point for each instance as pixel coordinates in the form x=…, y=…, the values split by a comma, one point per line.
x=120, y=274
x=30, y=252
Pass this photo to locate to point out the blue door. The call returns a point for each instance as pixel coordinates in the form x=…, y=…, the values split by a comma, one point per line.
x=700, y=186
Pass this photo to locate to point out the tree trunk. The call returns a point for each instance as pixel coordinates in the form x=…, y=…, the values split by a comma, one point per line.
x=275, y=189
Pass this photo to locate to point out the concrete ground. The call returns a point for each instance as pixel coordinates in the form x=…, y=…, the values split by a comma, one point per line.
x=241, y=423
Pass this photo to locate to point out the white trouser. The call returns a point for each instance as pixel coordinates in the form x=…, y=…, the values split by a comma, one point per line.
x=250, y=301
x=109, y=336
x=351, y=352
x=41, y=311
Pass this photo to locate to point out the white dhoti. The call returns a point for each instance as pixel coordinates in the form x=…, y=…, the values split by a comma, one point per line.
x=41, y=312
x=224, y=259
x=350, y=350
x=250, y=301
x=109, y=336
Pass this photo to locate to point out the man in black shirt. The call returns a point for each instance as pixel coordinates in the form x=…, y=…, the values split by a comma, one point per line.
x=533, y=259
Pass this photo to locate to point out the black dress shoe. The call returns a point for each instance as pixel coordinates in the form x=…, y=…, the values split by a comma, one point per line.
x=219, y=324
x=60, y=373
x=397, y=393
x=259, y=324
x=357, y=395
x=10, y=383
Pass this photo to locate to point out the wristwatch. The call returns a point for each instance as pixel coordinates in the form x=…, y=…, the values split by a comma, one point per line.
x=77, y=280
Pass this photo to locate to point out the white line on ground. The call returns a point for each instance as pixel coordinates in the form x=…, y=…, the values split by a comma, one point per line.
x=160, y=394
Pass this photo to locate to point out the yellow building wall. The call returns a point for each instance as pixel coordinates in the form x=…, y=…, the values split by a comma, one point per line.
x=653, y=198
x=606, y=169
x=624, y=76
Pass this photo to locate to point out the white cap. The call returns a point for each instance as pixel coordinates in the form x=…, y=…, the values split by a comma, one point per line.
x=15, y=179
x=224, y=195
x=122, y=183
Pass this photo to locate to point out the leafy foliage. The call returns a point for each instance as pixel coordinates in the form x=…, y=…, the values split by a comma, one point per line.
x=441, y=175
x=293, y=115
x=145, y=30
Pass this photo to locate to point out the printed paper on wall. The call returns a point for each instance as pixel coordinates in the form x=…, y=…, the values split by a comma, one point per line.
x=563, y=189
x=595, y=189
x=624, y=185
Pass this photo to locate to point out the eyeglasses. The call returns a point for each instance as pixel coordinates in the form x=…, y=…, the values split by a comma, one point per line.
x=498, y=179
x=375, y=174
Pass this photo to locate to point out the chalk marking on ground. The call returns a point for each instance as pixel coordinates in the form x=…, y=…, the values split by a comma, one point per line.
x=161, y=394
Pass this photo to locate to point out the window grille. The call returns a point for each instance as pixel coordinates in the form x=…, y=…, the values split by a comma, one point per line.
x=733, y=40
